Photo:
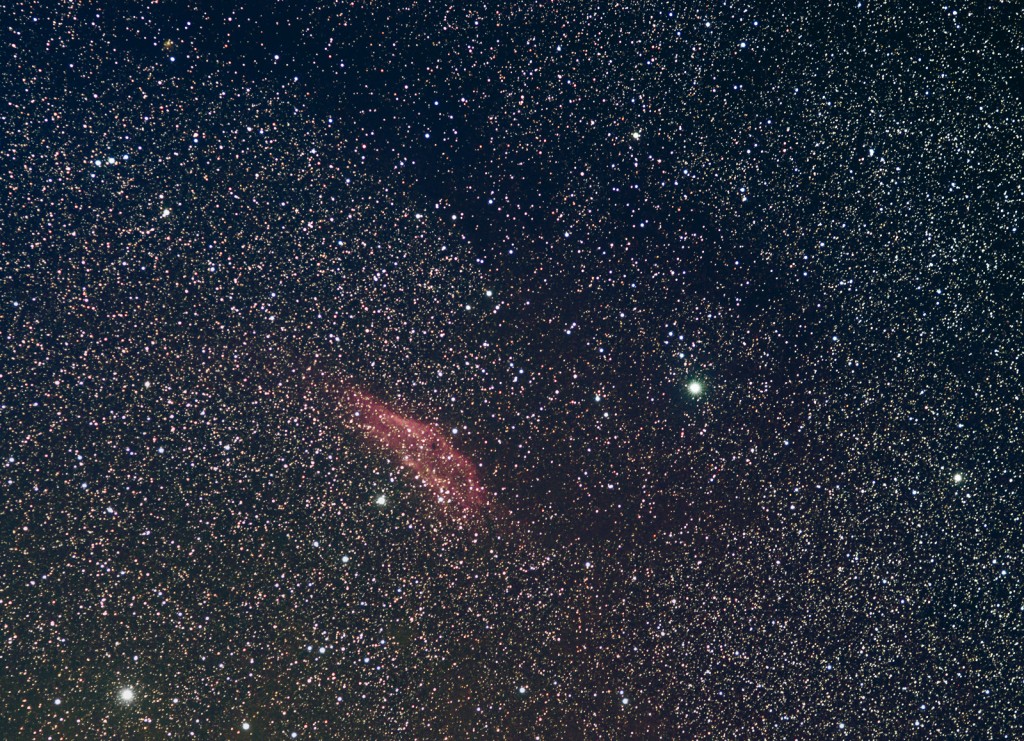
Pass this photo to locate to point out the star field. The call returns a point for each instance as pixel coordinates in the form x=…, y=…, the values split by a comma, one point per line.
x=537, y=370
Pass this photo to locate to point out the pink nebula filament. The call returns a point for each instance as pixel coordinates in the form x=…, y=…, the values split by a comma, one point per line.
x=421, y=448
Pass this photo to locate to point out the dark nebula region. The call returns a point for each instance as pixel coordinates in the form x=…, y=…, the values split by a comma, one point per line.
x=421, y=449
x=533, y=369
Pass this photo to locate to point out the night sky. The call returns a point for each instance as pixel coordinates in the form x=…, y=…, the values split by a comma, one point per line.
x=553, y=370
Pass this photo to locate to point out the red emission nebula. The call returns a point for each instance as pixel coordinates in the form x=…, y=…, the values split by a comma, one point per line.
x=421, y=448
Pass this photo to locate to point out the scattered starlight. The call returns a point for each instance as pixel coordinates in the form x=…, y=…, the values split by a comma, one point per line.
x=511, y=371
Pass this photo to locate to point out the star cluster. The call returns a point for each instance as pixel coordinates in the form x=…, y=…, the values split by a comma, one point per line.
x=713, y=311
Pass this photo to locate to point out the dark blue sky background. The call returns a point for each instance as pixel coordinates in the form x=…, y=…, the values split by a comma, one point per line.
x=723, y=301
